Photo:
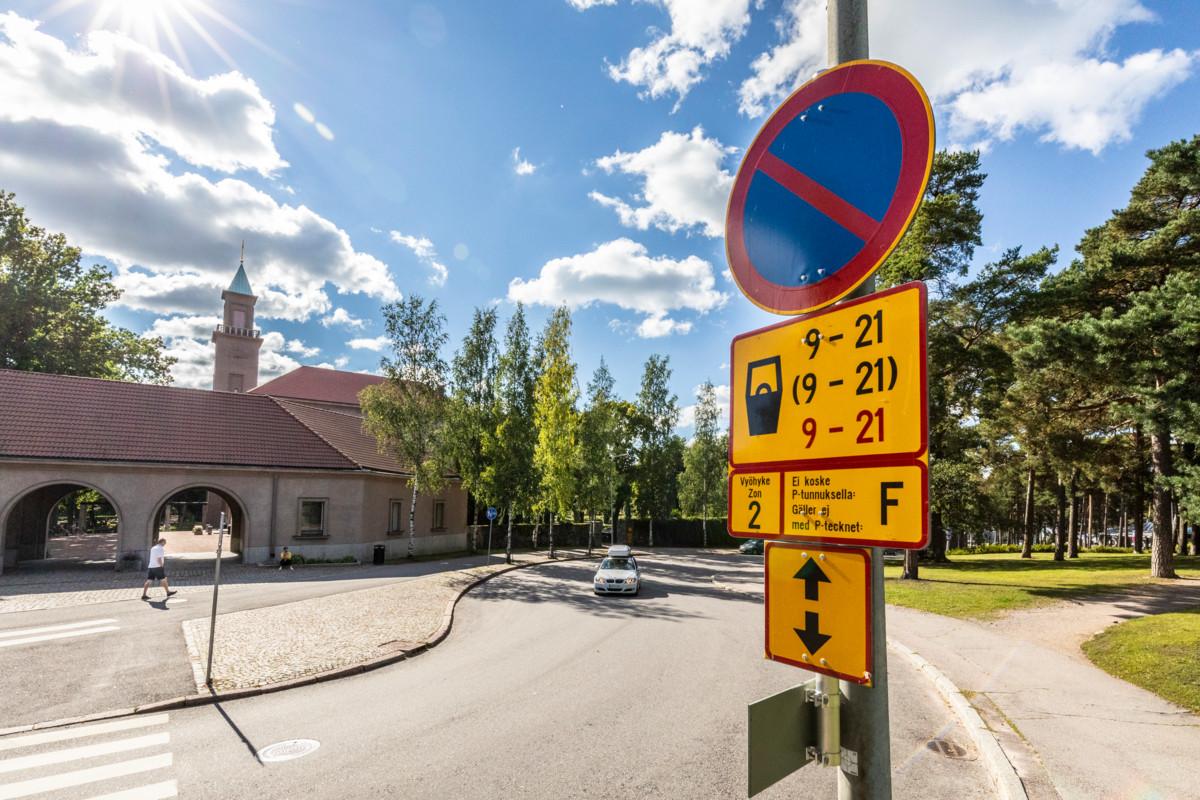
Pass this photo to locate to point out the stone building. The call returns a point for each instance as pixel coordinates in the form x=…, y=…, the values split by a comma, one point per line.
x=288, y=460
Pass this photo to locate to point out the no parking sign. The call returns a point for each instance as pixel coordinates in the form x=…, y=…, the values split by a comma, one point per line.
x=829, y=186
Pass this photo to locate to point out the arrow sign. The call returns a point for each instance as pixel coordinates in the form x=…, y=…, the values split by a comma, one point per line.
x=813, y=576
x=812, y=637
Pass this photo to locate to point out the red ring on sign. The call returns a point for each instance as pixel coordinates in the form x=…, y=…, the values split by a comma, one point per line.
x=905, y=98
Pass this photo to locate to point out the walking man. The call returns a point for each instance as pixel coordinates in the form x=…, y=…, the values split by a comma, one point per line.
x=158, y=569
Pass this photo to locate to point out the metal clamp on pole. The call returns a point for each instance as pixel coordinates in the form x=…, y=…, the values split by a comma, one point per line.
x=826, y=697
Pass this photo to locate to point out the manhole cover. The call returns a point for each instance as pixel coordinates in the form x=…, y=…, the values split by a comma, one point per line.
x=948, y=749
x=286, y=751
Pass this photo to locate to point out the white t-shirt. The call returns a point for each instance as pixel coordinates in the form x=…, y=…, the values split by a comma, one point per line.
x=158, y=554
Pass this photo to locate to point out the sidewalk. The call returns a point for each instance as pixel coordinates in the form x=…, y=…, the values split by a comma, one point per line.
x=1098, y=737
x=271, y=645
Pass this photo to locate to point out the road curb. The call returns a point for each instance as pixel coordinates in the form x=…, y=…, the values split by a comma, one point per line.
x=1008, y=784
x=210, y=697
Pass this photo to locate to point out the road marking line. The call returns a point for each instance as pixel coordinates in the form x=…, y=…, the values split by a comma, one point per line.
x=52, y=628
x=61, y=635
x=86, y=751
x=66, y=780
x=176, y=600
x=155, y=791
x=96, y=729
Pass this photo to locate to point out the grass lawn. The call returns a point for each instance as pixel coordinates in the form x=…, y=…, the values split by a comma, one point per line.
x=988, y=585
x=1160, y=653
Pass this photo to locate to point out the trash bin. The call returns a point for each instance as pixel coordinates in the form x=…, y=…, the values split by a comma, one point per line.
x=380, y=550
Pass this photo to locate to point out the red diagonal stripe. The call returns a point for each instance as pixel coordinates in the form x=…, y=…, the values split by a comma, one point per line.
x=817, y=196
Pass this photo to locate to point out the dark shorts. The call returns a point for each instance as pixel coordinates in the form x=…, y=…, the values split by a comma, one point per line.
x=156, y=574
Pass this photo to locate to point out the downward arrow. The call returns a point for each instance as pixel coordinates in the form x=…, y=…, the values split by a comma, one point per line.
x=812, y=575
x=812, y=637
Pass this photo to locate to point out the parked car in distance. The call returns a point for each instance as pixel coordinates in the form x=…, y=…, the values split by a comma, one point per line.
x=752, y=547
x=618, y=573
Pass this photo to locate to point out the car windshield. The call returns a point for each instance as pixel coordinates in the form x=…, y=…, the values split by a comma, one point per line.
x=618, y=563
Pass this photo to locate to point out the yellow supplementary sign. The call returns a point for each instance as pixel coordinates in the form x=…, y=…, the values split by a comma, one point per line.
x=885, y=505
x=818, y=603
x=844, y=383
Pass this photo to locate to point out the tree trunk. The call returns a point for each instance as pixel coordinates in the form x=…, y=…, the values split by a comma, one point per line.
x=912, y=567
x=1091, y=518
x=1139, y=495
x=651, y=530
x=1060, y=519
x=1162, y=562
x=552, y=534
x=508, y=538
x=412, y=521
x=937, y=542
x=1124, y=524
x=1104, y=520
x=1027, y=544
x=1073, y=520
x=1196, y=539
x=591, y=533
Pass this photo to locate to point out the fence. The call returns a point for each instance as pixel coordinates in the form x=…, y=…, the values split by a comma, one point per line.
x=667, y=533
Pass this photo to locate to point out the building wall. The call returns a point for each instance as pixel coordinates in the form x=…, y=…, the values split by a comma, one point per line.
x=356, y=506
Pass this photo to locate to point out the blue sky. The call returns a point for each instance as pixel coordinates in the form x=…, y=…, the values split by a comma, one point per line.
x=550, y=151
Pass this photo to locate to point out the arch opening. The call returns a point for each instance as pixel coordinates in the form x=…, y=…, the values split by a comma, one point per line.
x=190, y=518
x=61, y=524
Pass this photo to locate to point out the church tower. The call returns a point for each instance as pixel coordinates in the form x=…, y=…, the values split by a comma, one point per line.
x=237, y=341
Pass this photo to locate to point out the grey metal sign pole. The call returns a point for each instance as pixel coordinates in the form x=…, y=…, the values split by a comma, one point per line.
x=212, y=625
x=867, y=775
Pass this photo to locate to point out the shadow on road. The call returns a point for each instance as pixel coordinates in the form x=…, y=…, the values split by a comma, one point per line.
x=570, y=583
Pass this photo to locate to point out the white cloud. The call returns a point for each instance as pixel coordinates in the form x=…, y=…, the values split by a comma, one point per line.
x=377, y=344
x=621, y=272
x=584, y=5
x=301, y=349
x=995, y=68
x=687, y=414
x=425, y=252
x=303, y=113
x=341, y=361
x=187, y=340
x=173, y=235
x=683, y=183
x=520, y=165
x=1084, y=105
x=306, y=114
x=658, y=325
x=702, y=31
x=124, y=89
x=341, y=316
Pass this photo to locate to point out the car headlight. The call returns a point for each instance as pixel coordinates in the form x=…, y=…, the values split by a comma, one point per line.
x=631, y=580
x=598, y=579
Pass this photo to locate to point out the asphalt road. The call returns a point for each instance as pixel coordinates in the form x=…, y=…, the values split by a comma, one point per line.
x=542, y=690
x=129, y=652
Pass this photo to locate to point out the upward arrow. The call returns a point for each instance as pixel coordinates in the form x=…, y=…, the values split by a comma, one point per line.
x=812, y=575
x=812, y=637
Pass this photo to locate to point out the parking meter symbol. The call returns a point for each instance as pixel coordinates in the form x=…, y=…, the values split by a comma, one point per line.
x=764, y=395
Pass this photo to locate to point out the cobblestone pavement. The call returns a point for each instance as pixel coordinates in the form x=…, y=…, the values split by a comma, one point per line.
x=284, y=642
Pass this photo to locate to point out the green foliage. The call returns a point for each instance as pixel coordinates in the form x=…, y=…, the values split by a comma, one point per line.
x=50, y=310
x=407, y=413
x=659, y=450
x=507, y=451
x=702, y=486
x=603, y=443
x=557, y=418
x=472, y=410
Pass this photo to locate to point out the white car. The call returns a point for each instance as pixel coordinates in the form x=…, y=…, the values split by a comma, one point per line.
x=618, y=573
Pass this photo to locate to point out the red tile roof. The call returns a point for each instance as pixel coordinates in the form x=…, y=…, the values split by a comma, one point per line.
x=320, y=385
x=67, y=418
x=344, y=431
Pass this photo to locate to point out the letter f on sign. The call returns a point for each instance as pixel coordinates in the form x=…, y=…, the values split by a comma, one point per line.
x=885, y=501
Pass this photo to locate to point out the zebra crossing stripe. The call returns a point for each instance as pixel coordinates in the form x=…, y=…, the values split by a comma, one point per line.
x=87, y=751
x=51, y=628
x=46, y=637
x=66, y=780
x=95, y=729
